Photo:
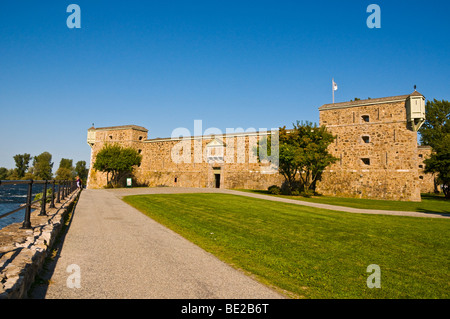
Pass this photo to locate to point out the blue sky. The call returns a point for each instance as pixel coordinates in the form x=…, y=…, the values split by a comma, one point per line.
x=164, y=64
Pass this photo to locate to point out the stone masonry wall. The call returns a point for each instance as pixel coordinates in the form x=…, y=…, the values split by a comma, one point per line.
x=377, y=158
x=426, y=180
x=23, y=251
x=189, y=163
x=377, y=155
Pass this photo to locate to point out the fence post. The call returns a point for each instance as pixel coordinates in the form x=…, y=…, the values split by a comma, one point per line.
x=44, y=200
x=52, y=202
x=58, y=198
x=63, y=193
x=26, y=222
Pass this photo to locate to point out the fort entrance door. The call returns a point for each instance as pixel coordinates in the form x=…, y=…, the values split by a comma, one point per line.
x=217, y=177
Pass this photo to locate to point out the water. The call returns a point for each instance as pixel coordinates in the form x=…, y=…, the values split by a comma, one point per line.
x=11, y=197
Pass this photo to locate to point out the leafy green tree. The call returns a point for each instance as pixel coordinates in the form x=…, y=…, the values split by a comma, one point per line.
x=117, y=162
x=437, y=122
x=22, y=163
x=303, y=154
x=42, y=166
x=3, y=173
x=65, y=170
x=81, y=170
x=439, y=163
x=12, y=175
x=435, y=132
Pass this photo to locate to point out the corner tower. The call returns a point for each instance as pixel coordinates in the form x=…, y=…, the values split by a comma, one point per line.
x=376, y=144
x=126, y=135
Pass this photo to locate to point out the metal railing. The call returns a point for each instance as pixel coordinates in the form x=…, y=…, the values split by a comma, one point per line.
x=64, y=189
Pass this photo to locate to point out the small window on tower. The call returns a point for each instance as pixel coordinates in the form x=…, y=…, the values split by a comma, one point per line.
x=366, y=161
x=365, y=118
x=366, y=139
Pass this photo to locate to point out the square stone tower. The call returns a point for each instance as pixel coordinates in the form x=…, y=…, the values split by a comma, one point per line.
x=376, y=144
x=125, y=135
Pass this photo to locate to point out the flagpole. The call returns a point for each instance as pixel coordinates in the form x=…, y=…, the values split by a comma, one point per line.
x=332, y=88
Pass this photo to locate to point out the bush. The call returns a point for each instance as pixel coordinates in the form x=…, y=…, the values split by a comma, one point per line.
x=295, y=192
x=48, y=196
x=274, y=189
x=307, y=193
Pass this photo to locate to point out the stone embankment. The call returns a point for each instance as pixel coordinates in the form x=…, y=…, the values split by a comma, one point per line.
x=23, y=251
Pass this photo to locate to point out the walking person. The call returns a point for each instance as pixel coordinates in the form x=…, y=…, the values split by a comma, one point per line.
x=79, y=184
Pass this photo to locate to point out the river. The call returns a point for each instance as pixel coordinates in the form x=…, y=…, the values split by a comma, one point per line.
x=11, y=197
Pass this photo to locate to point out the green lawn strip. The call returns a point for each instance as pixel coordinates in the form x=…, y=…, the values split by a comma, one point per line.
x=430, y=203
x=313, y=253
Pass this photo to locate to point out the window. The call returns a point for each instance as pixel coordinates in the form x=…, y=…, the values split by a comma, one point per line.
x=110, y=137
x=366, y=139
x=420, y=155
x=420, y=166
x=140, y=138
x=365, y=118
x=366, y=161
x=420, y=177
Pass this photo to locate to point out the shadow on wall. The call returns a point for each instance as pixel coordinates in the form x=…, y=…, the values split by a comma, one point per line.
x=123, y=182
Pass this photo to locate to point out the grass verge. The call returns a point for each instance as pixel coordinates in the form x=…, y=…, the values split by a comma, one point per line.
x=310, y=252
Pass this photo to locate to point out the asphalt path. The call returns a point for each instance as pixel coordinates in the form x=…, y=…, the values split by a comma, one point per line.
x=113, y=251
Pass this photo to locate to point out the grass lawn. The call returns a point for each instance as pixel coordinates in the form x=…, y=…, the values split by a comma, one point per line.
x=310, y=252
x=430, y=203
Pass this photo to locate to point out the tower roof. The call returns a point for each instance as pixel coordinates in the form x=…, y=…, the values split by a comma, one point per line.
x=121, y=127
x=340, y=105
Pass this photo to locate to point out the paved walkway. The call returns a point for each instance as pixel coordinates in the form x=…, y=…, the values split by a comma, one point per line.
x=121, y=253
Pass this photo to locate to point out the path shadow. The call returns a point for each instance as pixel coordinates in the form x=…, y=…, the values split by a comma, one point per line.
x=432, y=212
x=38, y=289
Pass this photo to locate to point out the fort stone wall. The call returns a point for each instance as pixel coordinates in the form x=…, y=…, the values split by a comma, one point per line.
x=376, y=146
x=226, y=161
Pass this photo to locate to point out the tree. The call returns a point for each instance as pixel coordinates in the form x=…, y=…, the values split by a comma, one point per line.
x=439, y=163
x=65, y=170
x=117, y=161
x=435, y=132
x=22, y=163
x=303, y=154
x=437, y=122
x=81, y=170
x=42, y=166
x=3, y=173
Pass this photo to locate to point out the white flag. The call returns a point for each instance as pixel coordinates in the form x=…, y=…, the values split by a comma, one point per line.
x=334, y=86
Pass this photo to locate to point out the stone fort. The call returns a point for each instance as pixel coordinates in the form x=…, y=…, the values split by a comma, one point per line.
x=376, y=144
